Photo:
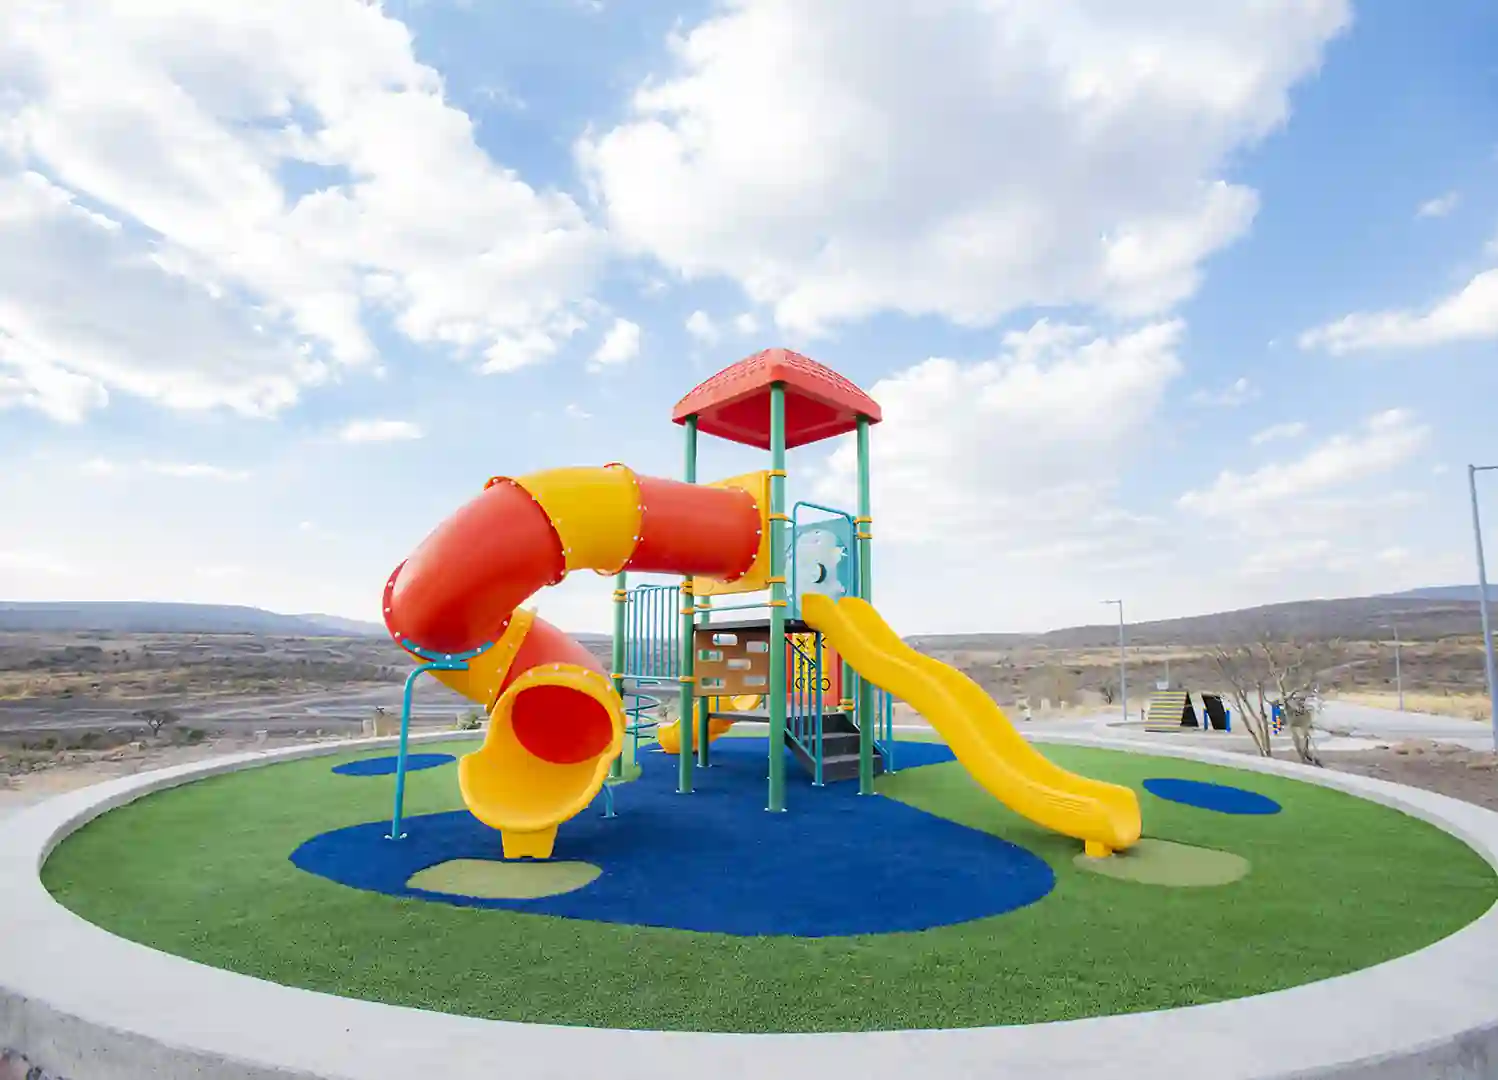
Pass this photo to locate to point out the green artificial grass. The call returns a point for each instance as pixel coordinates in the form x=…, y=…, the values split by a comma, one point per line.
x=1336, y=884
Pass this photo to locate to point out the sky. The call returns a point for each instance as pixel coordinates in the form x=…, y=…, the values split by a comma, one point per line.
x=1192, y=305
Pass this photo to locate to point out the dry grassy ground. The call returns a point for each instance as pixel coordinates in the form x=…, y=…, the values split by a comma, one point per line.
x=69, y=703
x=1444, y=677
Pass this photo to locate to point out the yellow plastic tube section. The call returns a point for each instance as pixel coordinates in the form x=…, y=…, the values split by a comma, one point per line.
x=668, y=736
x=525, y=797
x=1105, y=817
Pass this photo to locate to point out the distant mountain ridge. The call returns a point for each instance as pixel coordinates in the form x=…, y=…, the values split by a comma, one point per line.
x=149, y=617
x=152, y=617
x=1437, y=611
x=1467, y=593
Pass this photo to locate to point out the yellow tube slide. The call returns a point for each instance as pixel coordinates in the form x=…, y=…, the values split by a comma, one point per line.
x=509, y=788
x=1105, y=817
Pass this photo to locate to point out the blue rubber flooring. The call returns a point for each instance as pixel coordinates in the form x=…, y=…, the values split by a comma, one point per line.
x=1218, y=797
x=715, y=861
x=385, y=766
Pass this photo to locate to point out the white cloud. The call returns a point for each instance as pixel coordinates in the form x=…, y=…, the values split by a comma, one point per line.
x=620, y=344
x=502, y=97
x=370, y=431
x=230, y=192
x=1022, y=450
x=840, y=158
x=220, y=573
x=35, y=562
x=181, y=470
x=746, y=323
x=701, y=326
x=1438, y=207
x=1384, y=441
x=1239, y=392
x=575, y=411
x=195, y=471
x=1276, y=432
x=1469, y=315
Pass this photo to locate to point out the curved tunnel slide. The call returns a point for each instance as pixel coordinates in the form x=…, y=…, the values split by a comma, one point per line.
x=1104, y=816
x=556, y=723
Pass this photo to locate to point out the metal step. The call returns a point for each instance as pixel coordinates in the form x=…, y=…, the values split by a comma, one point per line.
x=762, y=716
x=844, y=767
x=836, y=765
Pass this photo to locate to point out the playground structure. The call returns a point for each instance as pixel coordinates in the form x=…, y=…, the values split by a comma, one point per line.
x=1172, y=710
x=558, y=721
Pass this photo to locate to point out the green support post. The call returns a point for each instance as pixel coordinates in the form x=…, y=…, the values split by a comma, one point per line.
x=777, y=686
x=688, y=654
x=621, y=601
x=704, y=717
x=864, y=538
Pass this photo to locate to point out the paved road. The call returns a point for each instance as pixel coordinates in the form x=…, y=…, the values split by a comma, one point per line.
x=1391, y=726
x=1344, y=727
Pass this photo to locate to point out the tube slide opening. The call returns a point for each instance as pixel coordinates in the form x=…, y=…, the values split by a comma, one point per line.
x=559, y=725
x=576, y=721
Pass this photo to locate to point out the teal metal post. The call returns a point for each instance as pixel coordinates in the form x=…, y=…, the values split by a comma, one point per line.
x=704, y=713
x=621, y=601
x=688, y=623
x=399, y=810
x=777, y=686
x=864, y=537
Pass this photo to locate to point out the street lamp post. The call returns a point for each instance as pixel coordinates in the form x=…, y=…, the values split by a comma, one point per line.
x=1482, y=598
x=1123, y=662
x=1398, y=674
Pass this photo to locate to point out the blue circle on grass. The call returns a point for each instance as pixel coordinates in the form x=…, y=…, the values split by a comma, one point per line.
x=1204, y=796
x=385, y=766
x=836, y=864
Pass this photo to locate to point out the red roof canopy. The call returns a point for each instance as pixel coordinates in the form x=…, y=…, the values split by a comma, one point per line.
x=735, y=403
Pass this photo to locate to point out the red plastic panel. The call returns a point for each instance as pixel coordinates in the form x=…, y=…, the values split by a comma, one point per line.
x=734, y=404
x=458, y=588
x=545, y=644
x=692, y=529
x=560, y=725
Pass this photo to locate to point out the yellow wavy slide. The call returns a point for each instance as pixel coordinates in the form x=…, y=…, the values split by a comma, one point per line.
x=1105, y=817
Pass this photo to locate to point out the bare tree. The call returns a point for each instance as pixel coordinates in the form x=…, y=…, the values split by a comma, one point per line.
x=1267, y=673
x=156, y=719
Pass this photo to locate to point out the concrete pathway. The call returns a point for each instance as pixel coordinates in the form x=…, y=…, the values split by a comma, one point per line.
x=11, y=801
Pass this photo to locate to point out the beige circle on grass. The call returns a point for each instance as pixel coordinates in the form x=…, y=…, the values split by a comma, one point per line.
x=1164, y=862
x=490, y=879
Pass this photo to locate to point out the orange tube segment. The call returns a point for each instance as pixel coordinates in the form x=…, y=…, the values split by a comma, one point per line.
x=459, y=586
x=691, y=529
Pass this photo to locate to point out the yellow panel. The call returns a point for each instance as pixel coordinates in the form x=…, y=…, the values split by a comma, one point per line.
x=595, y=511
x=758, y=577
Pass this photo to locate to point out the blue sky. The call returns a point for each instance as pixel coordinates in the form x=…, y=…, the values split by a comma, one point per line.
x=1200, y=312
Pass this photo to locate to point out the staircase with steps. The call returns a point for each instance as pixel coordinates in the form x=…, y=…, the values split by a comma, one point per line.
x=839, y=744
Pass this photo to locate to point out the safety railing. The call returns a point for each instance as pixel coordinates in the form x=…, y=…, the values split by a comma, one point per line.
x=640, y=711
x=884, y=727
x=652, y=633
x=831, y=511
x=805, y=706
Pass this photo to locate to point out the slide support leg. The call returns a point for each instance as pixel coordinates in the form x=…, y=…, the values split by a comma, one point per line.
x=777, y=688
x=864, y=538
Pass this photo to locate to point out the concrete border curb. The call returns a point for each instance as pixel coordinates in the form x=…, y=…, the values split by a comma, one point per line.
x=86, y=1005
